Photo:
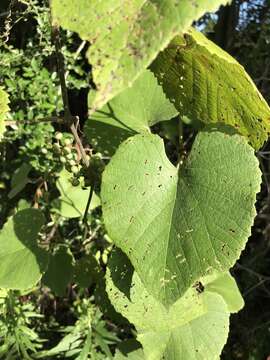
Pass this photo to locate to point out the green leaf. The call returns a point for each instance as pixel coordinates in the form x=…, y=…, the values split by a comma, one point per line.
x=126, y=35
x=227, y=288
x=194, y=327
x=207, y=84
x=22, y=261
x=178, y=224
x=4, y=108
x=87, y=271
x=133, y=111
x=60, y=270
x=19, y=179
x=73, y=199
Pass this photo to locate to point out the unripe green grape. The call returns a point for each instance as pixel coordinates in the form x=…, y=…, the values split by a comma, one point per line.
x=58, y=136
x=70, y=156
x=44, y=151
x=72, y=163
x=75, y=169
x=67, y=142
x=67, y=150
x=56, y=147
x=63, y=159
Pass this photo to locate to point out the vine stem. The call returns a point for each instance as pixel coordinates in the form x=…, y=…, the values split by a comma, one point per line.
x=54, y=119
x=85, y=220
x=69, y=119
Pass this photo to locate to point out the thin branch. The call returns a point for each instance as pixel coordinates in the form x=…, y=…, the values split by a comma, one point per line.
x=35, y=121
x=69, y=119
x=88, y=204
x=80, y=145
x=77, y=53
x=85, y=220
x=61, y=73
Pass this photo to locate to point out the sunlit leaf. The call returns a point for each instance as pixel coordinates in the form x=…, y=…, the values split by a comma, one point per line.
x=126, y=35
x=207, y=84
x=133, y=111
x=4, y=108
x=177, y=224
x=194, y=327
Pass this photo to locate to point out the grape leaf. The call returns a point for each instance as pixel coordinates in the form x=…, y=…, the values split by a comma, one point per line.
x=126, y=35
x=60, y=270
x=4, y=108
x=22, y=261
x=134, y=110
x=194, y=327
x=207, y=84
x=73, y=199
x=177, y=224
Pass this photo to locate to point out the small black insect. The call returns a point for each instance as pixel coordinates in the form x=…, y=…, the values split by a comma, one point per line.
x=199, y=287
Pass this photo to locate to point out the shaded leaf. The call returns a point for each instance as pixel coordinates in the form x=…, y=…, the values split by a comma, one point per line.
x=22, y=261
x=73, y=199
x=60, y=270
x=129, y=349
x=87, y=271
x=19, y=179
x=178, y=224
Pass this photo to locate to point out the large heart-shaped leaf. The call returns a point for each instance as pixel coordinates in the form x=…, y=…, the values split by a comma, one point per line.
x=207, y=84
x=4, y=108
x=177, y=224
x=194, y=327
x=22, y=261
x=133, y=111
x=126, y=35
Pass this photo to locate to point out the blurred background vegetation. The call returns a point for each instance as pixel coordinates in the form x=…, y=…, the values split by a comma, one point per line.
x=39, y=159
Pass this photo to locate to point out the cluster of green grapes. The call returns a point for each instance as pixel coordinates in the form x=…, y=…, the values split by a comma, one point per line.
x=68, y=156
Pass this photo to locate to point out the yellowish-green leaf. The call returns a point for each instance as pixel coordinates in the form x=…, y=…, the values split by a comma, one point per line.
x=208, y=85
x=4, y=108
